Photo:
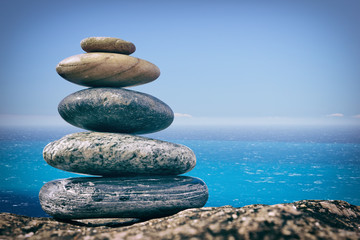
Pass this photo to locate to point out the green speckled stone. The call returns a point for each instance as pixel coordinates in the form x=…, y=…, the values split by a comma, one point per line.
x=115, y=154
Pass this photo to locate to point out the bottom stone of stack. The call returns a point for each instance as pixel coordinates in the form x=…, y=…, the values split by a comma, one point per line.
x=123, y=197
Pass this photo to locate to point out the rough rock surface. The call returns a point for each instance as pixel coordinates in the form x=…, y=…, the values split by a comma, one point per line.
x=300, y=220
x=107, y=70
x=107, y=44
x=115, y=110
x=134, y=197
x=115, y=154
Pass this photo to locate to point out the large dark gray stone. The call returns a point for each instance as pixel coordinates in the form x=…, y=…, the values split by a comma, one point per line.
x=116, y=154
x=115, y=110
x=137, y=197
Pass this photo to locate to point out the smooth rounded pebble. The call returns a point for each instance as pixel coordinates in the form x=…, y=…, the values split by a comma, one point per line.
x=116, y=154
x=107, y=44
x=136, y=197
x=115, y=110
x=107, y=70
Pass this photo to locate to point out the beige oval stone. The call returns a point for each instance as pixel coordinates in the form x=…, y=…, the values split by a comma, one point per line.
x=107, y=70
x=107, y=44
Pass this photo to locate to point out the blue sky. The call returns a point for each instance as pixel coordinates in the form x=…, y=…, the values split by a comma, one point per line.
x=227, y=62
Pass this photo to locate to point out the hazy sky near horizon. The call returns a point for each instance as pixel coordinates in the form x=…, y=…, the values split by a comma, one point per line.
x=218, y=59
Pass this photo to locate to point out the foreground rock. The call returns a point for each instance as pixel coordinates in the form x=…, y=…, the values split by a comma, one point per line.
x=115, y=154
x=107, y=44
x=115, y=110
x=107, y=70
x=299, y=220
x=134, y=197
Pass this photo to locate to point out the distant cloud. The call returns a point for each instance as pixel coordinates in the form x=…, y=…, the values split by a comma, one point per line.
x=182, y=115
x=335, y=115
x=357, y=116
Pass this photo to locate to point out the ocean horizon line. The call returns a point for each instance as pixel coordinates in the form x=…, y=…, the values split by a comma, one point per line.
x=180, y=120
x=279, y=133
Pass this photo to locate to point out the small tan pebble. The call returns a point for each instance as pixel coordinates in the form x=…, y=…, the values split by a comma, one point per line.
x=107, y=44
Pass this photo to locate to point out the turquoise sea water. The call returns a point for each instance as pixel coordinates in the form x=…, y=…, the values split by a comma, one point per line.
x=240, y=166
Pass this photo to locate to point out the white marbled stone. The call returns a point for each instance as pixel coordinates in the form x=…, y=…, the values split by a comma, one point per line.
x=136, y=197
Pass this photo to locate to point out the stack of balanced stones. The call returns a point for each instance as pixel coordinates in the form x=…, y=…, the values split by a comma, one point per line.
x=137, y=177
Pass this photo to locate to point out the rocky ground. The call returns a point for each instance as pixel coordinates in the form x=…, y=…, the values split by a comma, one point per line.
x=307, y=219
